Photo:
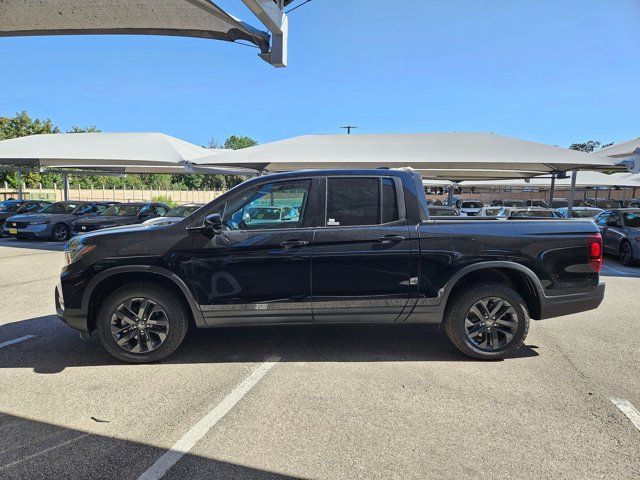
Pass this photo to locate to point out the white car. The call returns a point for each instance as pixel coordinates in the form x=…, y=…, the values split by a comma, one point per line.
x=470, y=208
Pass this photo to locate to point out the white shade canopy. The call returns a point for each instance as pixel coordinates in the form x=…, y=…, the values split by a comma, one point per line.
x=112, y=152
x=456, y=155
x=583, y=179
x=621, y=150
x=193, y=18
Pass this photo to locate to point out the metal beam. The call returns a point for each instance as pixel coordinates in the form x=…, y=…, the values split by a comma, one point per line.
x=572, y=192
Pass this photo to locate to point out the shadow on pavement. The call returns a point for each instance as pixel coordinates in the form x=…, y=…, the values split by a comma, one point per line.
x=56, y=346
x=31, y=244
x=32, y=449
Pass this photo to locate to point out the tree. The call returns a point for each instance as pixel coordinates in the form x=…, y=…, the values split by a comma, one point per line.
x=589, y=146
x=235, y=142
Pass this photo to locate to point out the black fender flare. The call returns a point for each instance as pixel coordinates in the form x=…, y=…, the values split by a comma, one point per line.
x=151, y=270
x=459, y=275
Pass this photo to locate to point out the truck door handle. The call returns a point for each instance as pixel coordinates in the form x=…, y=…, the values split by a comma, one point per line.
x=391, y=239
x=294, y=243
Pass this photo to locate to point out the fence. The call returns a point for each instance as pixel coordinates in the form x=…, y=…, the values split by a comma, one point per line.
x=114, y=194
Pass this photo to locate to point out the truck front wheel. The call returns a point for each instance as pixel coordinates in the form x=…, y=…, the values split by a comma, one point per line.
x=142, y=322
x=487, y=322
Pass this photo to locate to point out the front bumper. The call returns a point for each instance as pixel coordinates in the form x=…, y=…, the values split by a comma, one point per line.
x=568, y=304
x=30, y=231
x=75, y=318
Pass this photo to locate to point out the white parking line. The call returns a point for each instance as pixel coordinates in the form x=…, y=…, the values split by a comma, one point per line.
x=200, y=429
x=15, y=340
x=42, y=452
x=629, y=410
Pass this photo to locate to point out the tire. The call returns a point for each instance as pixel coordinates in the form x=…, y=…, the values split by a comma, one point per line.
x=460, y=322
x=136, y=348
x=626, y=254
x=60, y=233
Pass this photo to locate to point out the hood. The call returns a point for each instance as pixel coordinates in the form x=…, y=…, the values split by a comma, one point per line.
x=102, y=220
x=29, y=217
x=133, y=228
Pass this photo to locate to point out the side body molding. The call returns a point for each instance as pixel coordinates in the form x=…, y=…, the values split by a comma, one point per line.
x=151, y=270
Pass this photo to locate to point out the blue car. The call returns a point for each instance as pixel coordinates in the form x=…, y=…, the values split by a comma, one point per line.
x=52, y=222
x=620, y=230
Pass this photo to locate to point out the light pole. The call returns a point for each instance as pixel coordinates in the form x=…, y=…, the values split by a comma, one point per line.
x=349, y=128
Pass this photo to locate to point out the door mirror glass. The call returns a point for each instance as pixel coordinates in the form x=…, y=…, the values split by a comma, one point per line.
x=612, y=223
x=213, y=224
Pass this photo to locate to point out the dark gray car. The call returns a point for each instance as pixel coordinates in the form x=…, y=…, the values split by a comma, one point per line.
x=620, y=229
x=9, y=208
x=52, y=222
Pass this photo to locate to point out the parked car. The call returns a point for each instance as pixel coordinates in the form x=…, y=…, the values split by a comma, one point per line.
x=580, y=212
x=176, y=214
x=507, y=203
x=470, y=208
x=529, y=212
x=121, y=214
x=436, y=211
x=536, y=203
x=9, y=208
x=620, y=231
x=490, y=211
x=603, y=203
x=434, y=202
x=52, y=222
x=376, y=255
x=632, y=203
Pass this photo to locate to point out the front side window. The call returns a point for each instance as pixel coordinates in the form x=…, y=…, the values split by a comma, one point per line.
x=272, y=205
x=84, y=209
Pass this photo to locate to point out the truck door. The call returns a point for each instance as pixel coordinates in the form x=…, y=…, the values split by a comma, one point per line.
x=258, y=269
x=361, y=251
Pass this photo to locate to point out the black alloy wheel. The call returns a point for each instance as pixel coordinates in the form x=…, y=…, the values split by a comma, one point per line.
x=60, y=233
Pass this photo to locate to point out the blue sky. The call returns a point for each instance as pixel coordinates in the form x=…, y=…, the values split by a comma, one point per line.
x=548, y=71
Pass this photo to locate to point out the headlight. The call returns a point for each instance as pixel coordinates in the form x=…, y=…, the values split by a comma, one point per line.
x=39, y=222
x=77, y=251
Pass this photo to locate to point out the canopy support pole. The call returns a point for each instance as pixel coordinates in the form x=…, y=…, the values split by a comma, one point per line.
x=552, y=188
x=19, y=183
x=65, y=180
x=572, y=193
x=450, y=196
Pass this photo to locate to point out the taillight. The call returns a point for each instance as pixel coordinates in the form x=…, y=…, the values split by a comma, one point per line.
x=595, y=252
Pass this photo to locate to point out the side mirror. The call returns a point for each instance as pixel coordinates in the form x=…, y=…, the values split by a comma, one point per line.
x=612, y=223
x=213, y=224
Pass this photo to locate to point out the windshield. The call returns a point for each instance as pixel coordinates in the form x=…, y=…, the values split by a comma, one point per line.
x=9, y=206
x=632, y=219
x=183, y=211
x=442, y=212
x=513, y=203
x=122, y=211
x=61, y=207
x=588, y=213
x=471, y=205
x=491, y=212
x=532, y=213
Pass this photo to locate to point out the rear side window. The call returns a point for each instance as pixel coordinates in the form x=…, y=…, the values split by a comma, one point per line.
x=353, y=201
x=389, y=201
x=361, y=201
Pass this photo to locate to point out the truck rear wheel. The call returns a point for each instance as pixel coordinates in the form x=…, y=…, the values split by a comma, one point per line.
x=142, y=322
x=487, y=322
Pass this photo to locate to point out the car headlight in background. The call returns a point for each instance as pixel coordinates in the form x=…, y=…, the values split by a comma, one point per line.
x=77, y=251
x=39, y=222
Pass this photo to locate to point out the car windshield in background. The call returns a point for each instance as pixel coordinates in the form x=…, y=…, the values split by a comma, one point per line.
x=471, y=205
x=442, y=212
x=632, y=220
x=122, y=211
x=61, y=207
x=532, y=213
x=513, y=203
x=182, y=211
x=584, y=213
x=9, y=206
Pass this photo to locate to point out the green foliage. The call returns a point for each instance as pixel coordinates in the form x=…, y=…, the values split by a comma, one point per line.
x=164, y=199
x=589, y=146
x=22, y=125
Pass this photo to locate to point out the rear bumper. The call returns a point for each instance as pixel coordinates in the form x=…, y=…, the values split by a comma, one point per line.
x=568, y=304
x=75, y=318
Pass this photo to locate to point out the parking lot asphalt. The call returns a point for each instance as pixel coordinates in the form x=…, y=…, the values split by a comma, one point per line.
x=333, y=402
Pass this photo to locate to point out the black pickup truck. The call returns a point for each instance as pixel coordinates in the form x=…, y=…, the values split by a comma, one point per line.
x=331, y=246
